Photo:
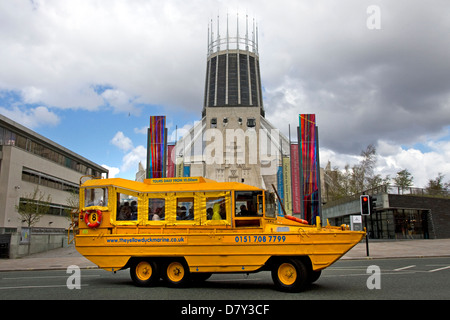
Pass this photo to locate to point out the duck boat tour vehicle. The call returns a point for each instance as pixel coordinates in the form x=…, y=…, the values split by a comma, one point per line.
x=184, y=229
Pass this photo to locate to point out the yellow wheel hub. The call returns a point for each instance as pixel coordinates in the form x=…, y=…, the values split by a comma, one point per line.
x=144, y=270
x=175, y=271
x=287, y=273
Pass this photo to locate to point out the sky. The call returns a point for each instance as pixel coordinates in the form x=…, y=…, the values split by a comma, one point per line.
x=88, y=74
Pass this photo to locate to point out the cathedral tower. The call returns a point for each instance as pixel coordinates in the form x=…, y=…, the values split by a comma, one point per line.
x=232, y=72
x=233, y=141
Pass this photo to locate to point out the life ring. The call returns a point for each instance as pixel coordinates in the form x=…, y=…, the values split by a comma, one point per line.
x=296, y=219
x=97, y=218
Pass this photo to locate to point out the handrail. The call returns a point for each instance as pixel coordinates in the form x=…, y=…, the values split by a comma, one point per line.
x=279, y=199
x=73, y=225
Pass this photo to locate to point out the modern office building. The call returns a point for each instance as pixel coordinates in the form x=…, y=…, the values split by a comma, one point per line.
x=401, y=213
x=29, y=161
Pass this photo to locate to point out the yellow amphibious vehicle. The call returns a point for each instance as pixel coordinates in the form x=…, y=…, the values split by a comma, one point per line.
x=184, y=229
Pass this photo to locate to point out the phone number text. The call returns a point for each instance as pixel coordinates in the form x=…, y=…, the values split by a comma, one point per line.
x=260, y=239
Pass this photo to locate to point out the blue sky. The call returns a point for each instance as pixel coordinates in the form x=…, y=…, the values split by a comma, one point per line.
x=89, y=74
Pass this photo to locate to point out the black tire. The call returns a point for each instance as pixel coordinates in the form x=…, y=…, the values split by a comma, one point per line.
x=314, y=275
x=200, y=276
x=289, y=275
x=144, y=273
x=176, y=273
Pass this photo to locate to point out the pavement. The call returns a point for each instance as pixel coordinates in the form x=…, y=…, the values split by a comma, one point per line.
x=62, y=258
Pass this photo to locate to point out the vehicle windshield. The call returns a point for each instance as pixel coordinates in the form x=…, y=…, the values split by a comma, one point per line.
x=270, y=204
x=248, y=203
x=96, y=197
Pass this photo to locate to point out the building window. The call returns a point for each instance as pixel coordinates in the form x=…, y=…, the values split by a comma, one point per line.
x=126, y=207
x=96, y=197
x=248, y=203
x=7, y=138
x=54, y=209
x=216, y=209
x=251, y=122
x=10, y=138
x=185, y=209
x=48, y=181
x=156, y=209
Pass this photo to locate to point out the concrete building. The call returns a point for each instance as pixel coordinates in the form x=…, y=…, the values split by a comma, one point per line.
x=29, y=161
x=411, y=213
x=233, y=141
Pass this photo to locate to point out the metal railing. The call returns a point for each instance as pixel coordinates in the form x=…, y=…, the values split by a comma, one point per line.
x=412, y=191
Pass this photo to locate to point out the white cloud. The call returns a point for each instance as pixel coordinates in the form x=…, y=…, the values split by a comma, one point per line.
x=143, y=130
x=55, y=52
x=338, y=160
x=179, y=132
x=391, y=158
x=32, y=118
x=122, y=142
x=120, y=101
x=112, y=171
x=365, y=86
x=422, y=164
x=131, y=160
x=31, y=94
x=385, y=148
x=133, y=156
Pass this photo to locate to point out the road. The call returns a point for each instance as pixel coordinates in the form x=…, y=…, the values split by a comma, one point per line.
x=399, y=279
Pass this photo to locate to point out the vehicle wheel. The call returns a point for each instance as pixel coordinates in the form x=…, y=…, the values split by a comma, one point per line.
x=289, y=275
x=177, y=274
x=313, y=276
x=200, y=276
x=144, y=273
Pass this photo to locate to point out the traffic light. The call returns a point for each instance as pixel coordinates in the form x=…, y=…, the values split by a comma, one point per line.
x=373, y=204
x=365, y=205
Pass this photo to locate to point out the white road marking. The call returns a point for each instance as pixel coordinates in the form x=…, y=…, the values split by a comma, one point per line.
x=404, y=268
x=439, y=269
x=47, y=277
x=31, y=287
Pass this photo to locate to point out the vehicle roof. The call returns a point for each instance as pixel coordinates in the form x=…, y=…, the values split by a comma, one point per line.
x=187, y=184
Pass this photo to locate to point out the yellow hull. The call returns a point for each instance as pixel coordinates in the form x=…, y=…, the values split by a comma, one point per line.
x=226, y=251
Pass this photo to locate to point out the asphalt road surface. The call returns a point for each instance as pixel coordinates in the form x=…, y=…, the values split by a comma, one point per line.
x=385, y=279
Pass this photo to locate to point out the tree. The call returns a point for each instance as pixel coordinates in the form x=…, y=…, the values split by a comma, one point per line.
x=403, y=179
x=377, y=181
x=73, y=202
x=355, y=179
x=437, y=185
x=336, y=182
x=33, y=207
x=369, y=159
x=362, y=173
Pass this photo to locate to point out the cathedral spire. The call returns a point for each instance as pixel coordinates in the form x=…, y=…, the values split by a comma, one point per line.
x=233, y=75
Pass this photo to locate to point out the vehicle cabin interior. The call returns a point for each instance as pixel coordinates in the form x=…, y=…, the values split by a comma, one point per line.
x=226, y=208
